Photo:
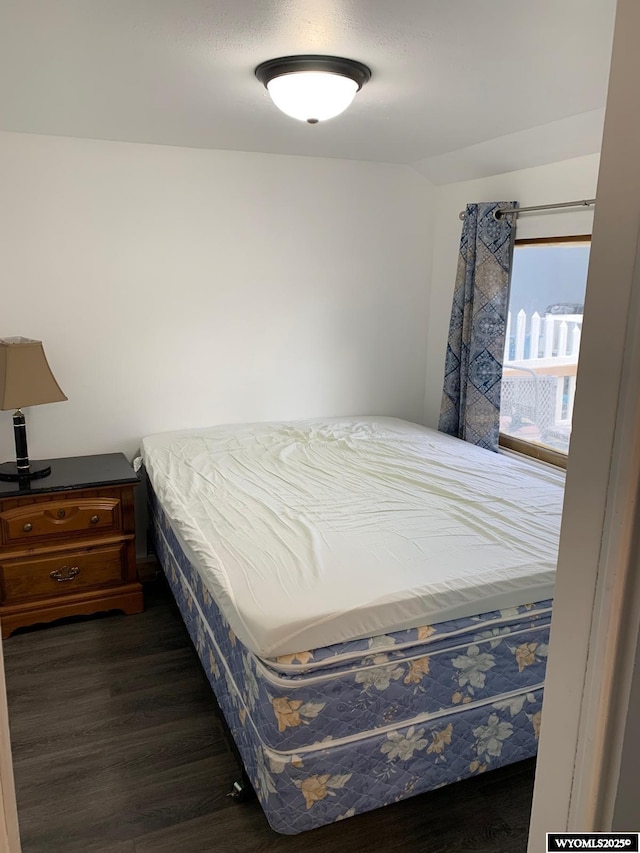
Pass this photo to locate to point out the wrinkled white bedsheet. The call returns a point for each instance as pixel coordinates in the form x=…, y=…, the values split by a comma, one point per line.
x=314, y=532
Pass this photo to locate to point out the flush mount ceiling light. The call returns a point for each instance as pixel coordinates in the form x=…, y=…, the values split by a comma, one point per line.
x=312, y=88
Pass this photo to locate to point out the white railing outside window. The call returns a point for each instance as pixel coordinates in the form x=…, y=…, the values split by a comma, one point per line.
x=539, y=377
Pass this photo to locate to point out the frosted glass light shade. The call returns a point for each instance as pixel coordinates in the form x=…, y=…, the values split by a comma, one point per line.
x=312, y=96
x=312, y=88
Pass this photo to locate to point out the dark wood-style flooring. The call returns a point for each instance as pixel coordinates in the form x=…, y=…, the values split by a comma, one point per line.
x=117, y=749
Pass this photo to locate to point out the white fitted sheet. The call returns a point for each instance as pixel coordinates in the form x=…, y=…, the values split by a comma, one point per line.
x=315, y=532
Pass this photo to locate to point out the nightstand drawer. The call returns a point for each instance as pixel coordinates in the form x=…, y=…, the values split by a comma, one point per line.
x=53, y=519
x=70, y=572
x=67, y=542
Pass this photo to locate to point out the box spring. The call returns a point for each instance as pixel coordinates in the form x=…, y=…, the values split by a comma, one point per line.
x=328, y=733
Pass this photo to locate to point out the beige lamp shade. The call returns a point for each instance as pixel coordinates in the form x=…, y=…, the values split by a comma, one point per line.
x=25, y=376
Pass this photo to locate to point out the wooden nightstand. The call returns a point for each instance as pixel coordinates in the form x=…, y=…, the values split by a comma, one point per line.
x=67, y=542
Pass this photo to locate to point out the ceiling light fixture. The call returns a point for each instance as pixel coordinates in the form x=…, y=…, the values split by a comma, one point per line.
x=312, y=88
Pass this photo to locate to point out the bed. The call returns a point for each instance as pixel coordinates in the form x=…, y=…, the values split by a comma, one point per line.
x=369, y=598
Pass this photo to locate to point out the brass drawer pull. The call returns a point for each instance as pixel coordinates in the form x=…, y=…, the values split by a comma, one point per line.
x=61, y=513
x=94, y=519
x=66, y=573
x=28, y=527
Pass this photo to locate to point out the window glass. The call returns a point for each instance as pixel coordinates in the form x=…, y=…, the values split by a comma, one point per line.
x=542, y=346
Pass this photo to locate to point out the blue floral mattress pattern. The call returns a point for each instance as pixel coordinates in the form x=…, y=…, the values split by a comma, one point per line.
x=328, y=733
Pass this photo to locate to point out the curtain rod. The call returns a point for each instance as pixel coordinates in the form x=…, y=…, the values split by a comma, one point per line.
x=501, y=211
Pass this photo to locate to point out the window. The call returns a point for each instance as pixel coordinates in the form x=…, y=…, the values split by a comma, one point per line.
x=546, y=302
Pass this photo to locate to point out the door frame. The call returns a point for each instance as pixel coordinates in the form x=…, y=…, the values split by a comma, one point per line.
x=9, y=834
x=596, y=618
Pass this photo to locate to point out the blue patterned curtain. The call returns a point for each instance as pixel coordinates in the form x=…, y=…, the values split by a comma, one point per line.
x=473, y=370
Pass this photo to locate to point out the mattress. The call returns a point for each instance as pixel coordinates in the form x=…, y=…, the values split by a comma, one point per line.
x=315, y=534
x=335, y=731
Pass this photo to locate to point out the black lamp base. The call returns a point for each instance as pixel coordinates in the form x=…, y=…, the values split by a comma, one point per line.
x=9, y=472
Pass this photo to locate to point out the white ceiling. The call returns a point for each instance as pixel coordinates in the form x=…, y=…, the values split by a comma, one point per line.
x=484, y=79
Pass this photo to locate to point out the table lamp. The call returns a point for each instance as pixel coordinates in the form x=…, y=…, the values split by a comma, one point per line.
x=25, y=380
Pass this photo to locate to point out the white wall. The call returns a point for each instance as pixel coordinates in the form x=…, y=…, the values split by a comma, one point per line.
x=178, y=287
x=627, y=807
x=568, y=180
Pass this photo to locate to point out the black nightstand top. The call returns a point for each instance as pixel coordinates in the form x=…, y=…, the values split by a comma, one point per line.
x=75, y=472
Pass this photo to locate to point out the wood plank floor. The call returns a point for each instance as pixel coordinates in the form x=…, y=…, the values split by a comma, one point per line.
x=118, y=749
